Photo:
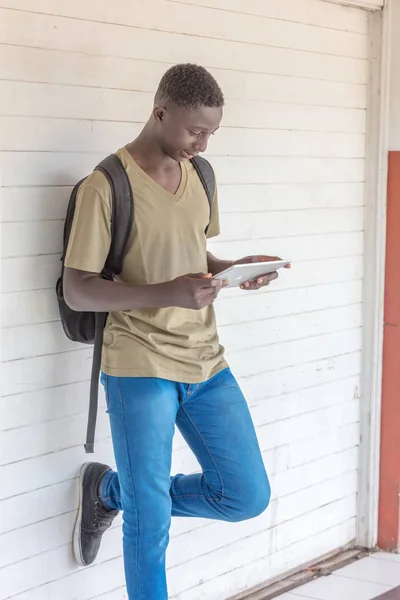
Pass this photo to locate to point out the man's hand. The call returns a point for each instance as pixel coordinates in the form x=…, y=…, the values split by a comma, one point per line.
x=194, y=291
x=262, y=281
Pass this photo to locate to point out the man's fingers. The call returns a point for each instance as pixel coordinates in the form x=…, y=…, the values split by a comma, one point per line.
x=266, y=279
x=262, y=281
x=253, y=285
x=210, y=293
x=214, y=288
x=270, y=276
x=199, y=275
x=216, y=284
x=263, y=258
x=208, y=298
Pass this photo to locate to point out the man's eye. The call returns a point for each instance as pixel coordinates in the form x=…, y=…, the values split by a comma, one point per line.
x=195, y=134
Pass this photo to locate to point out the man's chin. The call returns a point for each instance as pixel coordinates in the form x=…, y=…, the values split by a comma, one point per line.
x=186, y=156
x=177, y=156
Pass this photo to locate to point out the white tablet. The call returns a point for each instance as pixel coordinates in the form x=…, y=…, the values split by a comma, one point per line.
x=238, y=274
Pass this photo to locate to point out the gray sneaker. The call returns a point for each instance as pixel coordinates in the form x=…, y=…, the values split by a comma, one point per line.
x=93, y=519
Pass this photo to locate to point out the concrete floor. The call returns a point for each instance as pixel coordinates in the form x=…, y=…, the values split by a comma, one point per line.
x=375, y=577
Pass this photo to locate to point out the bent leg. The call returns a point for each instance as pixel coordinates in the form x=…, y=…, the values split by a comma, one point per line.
x=215, y=421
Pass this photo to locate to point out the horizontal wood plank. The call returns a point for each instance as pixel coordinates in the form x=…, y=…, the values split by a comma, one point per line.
x=271, y=197
x=24, y=238
x=56, y=467
x=272, y=435
x=35, y=203
x=308, y=273
x=39, y=272
x=20, y=28
x=287, y=170
x=245, y=551
x=55, y=532
x=290, y=481
x=221, y=536
x=31, y=507
x=300, y=376
x=329, y=442
x=312, y=12
x=262, y=358
x=109, y=575
x=27, y=341
x=91, y=582
x=50, y=436
x=49, y=100
x=40, y=306
x=60, y=168
x=246, y=308
x=41, y=372
x=200, y=21
x=57, y=135
x=50, y=203
x=59, y=563
x=30, y=273
x=67, y=432
x=254, y=573
x=255, y=334
x=18, y=63
x=37, y=408
x=303, y=248
x=246, y=226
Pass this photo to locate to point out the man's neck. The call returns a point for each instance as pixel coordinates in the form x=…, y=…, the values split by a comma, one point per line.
x=148, y=154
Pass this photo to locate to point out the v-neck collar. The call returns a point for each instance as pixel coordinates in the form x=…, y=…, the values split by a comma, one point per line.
x=153, y=183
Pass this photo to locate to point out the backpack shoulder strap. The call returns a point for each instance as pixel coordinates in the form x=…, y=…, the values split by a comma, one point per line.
x=122, y=213
x=207, y=177
x=121, y=226
x=100, y=321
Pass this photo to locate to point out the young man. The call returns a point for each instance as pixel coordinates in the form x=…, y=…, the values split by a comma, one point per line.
x=162, y=362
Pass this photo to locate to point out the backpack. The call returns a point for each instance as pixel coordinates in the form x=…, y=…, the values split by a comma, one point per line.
x=88, y=327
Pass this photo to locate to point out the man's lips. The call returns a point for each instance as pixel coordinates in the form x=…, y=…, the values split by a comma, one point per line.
x=188, y=155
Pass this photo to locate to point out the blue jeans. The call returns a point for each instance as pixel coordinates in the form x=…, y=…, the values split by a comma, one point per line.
x=214, y=419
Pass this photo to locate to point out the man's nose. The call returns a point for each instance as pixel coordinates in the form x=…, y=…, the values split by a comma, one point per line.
x=201, y=145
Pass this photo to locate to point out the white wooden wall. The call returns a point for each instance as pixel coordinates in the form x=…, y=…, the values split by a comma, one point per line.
x=76, y=82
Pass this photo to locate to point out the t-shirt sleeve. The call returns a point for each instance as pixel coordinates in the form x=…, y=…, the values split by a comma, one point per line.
x=90, y=238
x=213, y=228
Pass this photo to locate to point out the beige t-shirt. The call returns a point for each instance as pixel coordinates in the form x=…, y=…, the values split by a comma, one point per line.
x=168, y=240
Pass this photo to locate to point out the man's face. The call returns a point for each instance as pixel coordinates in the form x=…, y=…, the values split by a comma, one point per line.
x=184, y=133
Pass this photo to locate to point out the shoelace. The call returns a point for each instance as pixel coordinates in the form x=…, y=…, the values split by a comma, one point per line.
x=101, y=518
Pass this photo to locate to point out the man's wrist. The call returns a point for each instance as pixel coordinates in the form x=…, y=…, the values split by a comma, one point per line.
x=217, y=266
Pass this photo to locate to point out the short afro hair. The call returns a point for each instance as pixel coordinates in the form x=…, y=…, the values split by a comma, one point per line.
x=189, y=86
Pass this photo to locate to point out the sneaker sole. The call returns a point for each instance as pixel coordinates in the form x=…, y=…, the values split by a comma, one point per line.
x=77, y=530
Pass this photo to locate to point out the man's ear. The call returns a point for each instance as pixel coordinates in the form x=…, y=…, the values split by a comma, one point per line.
x=159, y=113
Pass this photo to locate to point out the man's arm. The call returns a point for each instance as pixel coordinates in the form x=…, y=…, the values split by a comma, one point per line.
x=216, y=265
x=85, y=291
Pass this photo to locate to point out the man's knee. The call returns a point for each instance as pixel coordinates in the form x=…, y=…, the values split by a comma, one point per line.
x=258, y=502
x=252, y=502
